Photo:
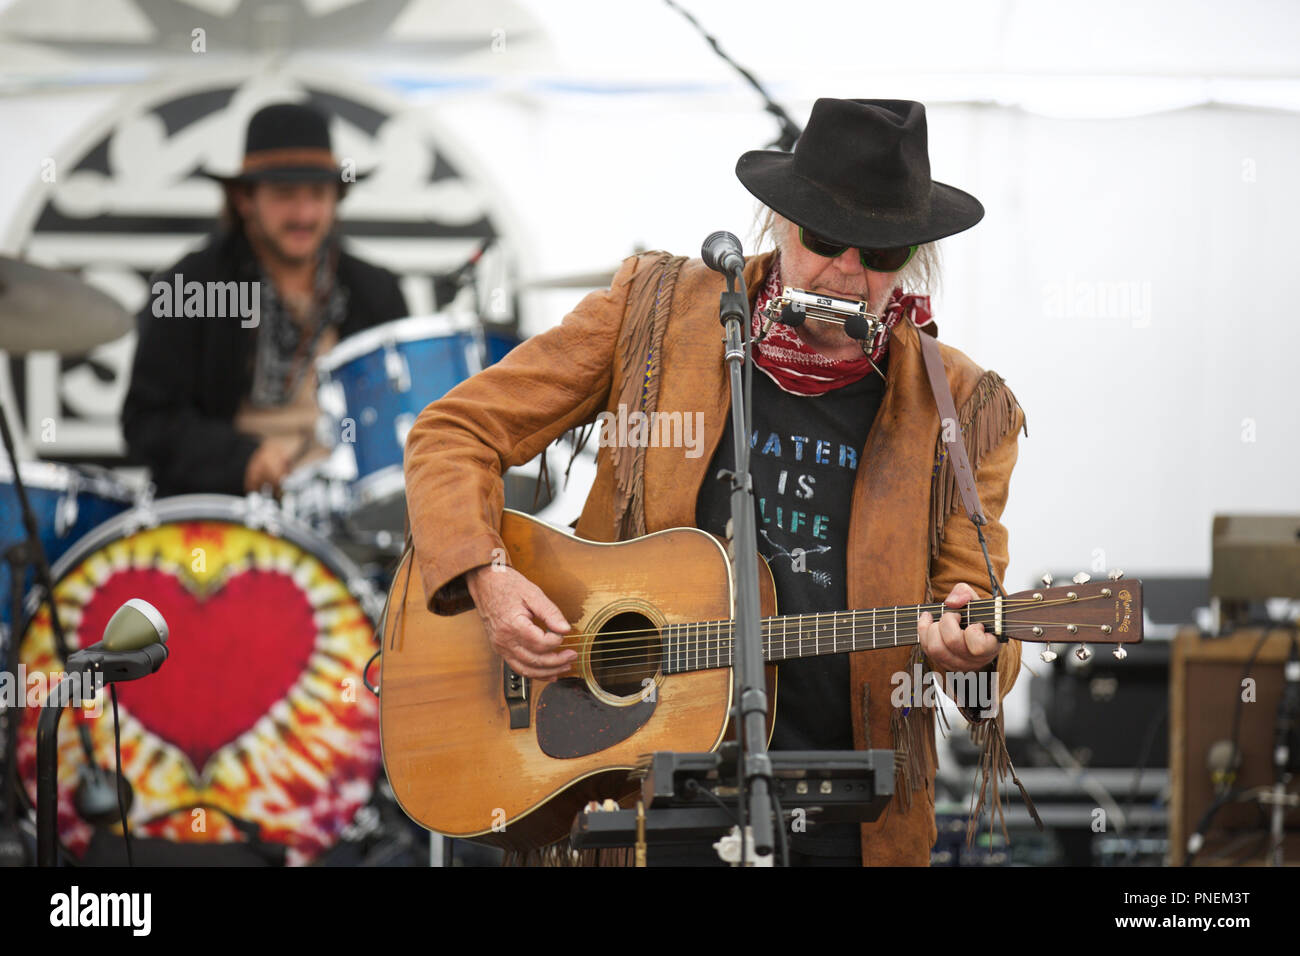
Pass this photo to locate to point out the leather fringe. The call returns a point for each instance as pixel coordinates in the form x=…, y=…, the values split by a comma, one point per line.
x=986, y=418
x=561, y=854
x=578, y=436
x=911, y=735
x=649, y=303
x=995, y=764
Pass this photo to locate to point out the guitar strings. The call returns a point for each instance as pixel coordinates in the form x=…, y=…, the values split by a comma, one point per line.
x=722, y=644
x=652, y=642
x=723, y=648
x=850, y=617
x=647, y=644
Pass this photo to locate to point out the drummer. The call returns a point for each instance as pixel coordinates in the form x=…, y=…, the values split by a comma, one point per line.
x=223, y=387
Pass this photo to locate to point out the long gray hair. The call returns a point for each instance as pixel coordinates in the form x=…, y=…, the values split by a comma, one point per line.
x=921, y=275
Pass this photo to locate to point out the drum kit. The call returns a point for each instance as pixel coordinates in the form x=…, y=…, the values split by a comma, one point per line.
x=259, y=740
x=372, y=385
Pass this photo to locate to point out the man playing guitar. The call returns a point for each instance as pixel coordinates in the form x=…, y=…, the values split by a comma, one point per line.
x=855, y=498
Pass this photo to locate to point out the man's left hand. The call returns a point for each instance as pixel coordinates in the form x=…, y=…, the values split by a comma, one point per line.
x=946, y=645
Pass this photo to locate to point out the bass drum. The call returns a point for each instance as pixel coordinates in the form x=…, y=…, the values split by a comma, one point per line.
x=258, y=729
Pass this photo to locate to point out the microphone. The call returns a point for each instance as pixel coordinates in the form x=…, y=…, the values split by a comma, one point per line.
x=791, y=316
x=1222, y=760
x=446, y=286
x=134, y=625
x=134, y=644
x=857, y=327
x=722, y=252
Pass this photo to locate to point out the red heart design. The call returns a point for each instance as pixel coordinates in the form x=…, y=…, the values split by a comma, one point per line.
x=232, y=654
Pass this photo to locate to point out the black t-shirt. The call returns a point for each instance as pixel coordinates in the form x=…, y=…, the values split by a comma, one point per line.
x=804, y=457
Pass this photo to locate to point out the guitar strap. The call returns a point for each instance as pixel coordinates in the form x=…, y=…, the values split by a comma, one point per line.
x=950, y=432
x=987, y=735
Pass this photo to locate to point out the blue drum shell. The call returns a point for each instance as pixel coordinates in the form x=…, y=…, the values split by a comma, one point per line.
x=437, y=352
x=98, y=498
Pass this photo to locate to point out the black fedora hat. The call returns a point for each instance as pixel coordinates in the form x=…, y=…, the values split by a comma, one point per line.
x=287, y=142
x=860, y=175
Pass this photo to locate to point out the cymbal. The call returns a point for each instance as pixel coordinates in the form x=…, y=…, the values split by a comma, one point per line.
x=48, y=310
x=582, y=280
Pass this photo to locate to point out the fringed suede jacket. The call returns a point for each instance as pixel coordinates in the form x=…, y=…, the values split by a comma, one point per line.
x=653, y=340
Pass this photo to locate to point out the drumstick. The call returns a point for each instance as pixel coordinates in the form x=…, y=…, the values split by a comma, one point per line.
x=303, y=447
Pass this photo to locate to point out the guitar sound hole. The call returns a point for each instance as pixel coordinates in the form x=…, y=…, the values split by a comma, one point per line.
x=626, y=655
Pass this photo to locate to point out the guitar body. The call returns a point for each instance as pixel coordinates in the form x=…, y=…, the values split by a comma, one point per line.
x=456, y=763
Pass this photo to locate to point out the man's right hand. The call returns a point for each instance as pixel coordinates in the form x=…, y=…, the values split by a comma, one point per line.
x=269, y=465
x=508, y=603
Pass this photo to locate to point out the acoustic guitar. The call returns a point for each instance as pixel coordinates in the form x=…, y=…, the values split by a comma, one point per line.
x=475, y=751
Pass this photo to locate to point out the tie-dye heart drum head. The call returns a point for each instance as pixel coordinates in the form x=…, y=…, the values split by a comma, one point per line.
x=259, y=724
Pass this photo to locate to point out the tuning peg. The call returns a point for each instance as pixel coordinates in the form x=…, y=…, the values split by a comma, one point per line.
x=1048, y=655
x=1115, y=574
x=1081, y=578
x=1046, y=579
x=1082, y=652
x=1120, y=653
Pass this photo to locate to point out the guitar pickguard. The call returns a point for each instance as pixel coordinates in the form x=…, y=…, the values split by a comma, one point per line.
x=573, y=723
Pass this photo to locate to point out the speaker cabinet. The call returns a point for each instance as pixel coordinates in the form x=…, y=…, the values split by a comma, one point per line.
x=1205, y=687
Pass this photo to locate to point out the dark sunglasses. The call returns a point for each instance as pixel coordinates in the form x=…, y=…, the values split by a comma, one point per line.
x=877, y=260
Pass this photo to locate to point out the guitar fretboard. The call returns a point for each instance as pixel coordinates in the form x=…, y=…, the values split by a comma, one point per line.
x=707, y=644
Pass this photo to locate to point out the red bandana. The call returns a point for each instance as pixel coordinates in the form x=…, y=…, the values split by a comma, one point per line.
x=802, y=370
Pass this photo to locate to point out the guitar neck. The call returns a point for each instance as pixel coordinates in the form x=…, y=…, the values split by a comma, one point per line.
x=709, y=644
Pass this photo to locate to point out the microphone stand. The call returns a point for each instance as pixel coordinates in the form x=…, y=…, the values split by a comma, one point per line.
x=113, y=667
x=854, y=785
x=34, y=554
x=1284, y=756
x=749, y=695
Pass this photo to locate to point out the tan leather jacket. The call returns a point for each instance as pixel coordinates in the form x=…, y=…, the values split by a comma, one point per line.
x=899, y=553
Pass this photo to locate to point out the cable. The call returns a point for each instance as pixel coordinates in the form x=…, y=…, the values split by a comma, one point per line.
x=1236, y=711
x=693, y=786
x=790, y=132
x=1197, y=840
x=365, y=673
x=782, y=843
x=994, y=587
x=1137, y=782
x=1065, y=760
x=121, y=798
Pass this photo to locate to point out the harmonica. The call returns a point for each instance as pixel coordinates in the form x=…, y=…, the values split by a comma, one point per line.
x=793, y=306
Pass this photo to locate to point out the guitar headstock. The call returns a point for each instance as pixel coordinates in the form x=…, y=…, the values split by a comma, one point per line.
x=1083, y=612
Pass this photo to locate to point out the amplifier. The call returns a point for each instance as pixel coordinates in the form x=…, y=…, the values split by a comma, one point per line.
x=1205, y=696
x=1108, y=713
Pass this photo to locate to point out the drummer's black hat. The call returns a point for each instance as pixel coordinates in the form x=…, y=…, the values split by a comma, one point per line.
x=288, y=142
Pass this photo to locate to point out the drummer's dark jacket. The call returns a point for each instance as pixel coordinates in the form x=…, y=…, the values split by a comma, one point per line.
x=191, y=373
